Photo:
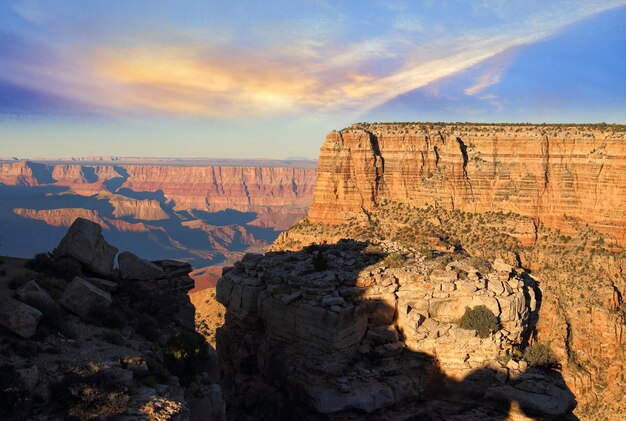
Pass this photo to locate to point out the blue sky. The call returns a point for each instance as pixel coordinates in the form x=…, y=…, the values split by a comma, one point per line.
x=270, y=79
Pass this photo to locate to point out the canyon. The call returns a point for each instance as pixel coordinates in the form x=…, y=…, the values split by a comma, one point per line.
x=193, y=210
x=450, y=216
x=442, y=271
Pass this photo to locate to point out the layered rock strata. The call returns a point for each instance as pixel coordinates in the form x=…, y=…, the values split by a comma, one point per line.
x=338, y=332
x=544, y=197
x=209, y=188
x=545, y=172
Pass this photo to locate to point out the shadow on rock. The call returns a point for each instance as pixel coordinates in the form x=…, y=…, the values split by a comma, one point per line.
x=370, y=332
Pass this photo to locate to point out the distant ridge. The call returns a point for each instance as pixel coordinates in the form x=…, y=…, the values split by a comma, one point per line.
x=295, y=162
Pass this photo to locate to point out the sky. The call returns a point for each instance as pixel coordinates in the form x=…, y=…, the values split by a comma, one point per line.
x=261, y=79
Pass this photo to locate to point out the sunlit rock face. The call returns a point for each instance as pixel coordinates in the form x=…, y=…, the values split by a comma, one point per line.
x=208, y=188
x=544, y=172
x=547, y=198
x=345, y=331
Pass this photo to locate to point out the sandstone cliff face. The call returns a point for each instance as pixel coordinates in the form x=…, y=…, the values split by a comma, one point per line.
x=536, y=171
x=547, y=198
x=217, y=188
x=61, y=217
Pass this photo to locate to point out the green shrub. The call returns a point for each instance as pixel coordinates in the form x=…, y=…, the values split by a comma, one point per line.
x=185, y=354
x=480, y=319
x=85, y=393
x=3, y=272
x=540, y=355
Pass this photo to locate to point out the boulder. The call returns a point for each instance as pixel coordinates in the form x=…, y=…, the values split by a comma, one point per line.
x=84, y=242
x=550, y=401
x=19, y=318
x=174, y=267
x=134, y=267
x=32, y=294
x=500, y=265
x=81, y=297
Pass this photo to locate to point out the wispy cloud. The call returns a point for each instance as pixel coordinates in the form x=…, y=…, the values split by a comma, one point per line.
x=492, y=72
x=329, y=73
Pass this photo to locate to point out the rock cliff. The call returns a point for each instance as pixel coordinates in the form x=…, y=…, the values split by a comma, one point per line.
x=544, y=172
x=546, y=199
x=84, y=340
x=356, y=331
x=205, y=214
x=208, y=188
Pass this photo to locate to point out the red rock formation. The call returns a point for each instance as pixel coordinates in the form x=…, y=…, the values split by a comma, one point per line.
x=279, y=191
x=544, y=172
x=18, y=174
x=63, y=217
x=565, y=187
x=247, y=189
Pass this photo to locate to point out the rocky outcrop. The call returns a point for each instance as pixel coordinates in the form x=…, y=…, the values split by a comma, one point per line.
x=84, y=242
x=62, y=217
x=83, y=298
x=134, y=267
x=128, y=340
x=545, y=172
x=19, y=318
x=546, y=198
x=351, y=331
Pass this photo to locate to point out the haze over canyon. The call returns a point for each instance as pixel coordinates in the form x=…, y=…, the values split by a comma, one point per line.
x=205, y=212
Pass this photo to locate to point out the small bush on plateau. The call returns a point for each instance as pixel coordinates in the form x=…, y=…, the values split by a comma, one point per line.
x=480, y=319
x=540, y=355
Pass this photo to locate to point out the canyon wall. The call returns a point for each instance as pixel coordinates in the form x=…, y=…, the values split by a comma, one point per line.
x=191, y=210
x=543, y=172
x=547, y=198
x=209, y=188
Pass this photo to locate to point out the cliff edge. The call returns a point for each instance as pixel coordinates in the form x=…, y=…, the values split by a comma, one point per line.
x=545, y=200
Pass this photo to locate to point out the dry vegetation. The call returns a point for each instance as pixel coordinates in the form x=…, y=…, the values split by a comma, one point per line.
x=578, y=266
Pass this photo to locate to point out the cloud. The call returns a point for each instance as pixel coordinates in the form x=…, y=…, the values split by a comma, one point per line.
x=329, y=74
x=491, y=72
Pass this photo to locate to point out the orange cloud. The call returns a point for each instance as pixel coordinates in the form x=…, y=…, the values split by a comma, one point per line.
x=222, y=84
